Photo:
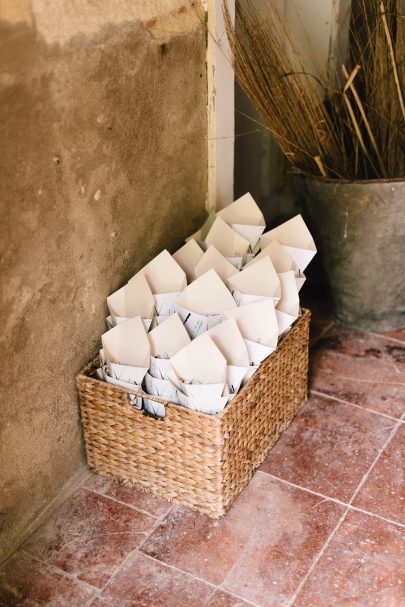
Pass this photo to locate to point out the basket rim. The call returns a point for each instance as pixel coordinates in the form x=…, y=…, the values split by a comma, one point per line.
x=84, y=375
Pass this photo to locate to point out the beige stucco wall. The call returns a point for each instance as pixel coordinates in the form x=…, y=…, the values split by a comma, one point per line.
x=103, y=164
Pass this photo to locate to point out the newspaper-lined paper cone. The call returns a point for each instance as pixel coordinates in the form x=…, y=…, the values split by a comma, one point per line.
x=288, y=308
x=250, y=233
x=133, y=299
x=284, y=321
x=234, y=377
x=206, y=295
x=228, y=242
x=245, y=217
x=127, y=351
x=154, y=408
x=258, y=279
x=165, y=303
x=164, y=275
x=168, y=338
x=290, y=300
x=126, y=373
x=238, y=262
x=202, y=304
x=159, y=367
x=244, y=211
x=127, y=344
x=161, y=387
x=241, y=299
x=211, y=406
x=281, y=260
x=212, y=259
x=257, y=352
x=295, y=238
x=188, y=257
x=257, y=322
x=129, y=385
x=251, y=371
x=116, y=320
x=200, y=362
x=300, y=279
x=158, y=320
x=207, y=391
x=196, y=324
x=230, y=342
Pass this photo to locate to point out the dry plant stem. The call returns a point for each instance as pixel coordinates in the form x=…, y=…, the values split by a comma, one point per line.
x=353, y=132
x=351, y=77
x=349, y=85
x=392, y=55
x=320, y=165
x=355, y=124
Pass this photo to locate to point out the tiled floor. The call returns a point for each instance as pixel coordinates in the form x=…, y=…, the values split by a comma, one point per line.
x=322, y=523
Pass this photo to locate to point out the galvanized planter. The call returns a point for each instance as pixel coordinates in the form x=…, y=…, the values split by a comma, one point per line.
x=359, y=229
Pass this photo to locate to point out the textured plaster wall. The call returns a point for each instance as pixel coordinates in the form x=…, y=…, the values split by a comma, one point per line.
x=103, y=164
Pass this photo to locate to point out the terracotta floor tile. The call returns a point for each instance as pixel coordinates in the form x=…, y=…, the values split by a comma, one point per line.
x=364, y=566
x=259, y=550
x=223, y=599
x=143, y=582
x=328, y=447
x=384, y=491
x=129, y=495
x=27, y=583
x=203, y=597
x=360, y=368
x=89, y=536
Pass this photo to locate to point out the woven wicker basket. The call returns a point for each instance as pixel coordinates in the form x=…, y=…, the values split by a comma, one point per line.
x=201, y=461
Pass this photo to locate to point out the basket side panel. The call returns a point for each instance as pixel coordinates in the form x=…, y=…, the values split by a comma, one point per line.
x=264, y=409
x=177, y=458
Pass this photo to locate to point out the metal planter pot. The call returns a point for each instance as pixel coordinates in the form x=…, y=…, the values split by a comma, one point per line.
x=359, y=229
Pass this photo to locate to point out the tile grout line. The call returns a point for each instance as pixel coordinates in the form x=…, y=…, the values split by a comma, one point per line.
x=331, y=499
x=320, y=554
x=382, y=518
x=114, y=499
x=380, y=452
x=199, y=579
x=346, y=402
x=357, y=379
x=70, y=576
x=158, y=522
x=120, y=565
x=398, y=341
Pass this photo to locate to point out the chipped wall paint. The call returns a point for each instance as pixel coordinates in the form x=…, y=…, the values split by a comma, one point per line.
x=59, y=21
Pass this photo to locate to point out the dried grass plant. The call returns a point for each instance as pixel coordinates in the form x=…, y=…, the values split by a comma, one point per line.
x=352, y=130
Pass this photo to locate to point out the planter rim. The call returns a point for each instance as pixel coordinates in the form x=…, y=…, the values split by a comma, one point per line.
x=359, y=182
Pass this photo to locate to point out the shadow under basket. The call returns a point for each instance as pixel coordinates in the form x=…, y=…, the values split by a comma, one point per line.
x=201, y=461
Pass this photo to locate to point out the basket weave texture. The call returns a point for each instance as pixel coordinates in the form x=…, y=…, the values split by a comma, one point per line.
x=201, y=461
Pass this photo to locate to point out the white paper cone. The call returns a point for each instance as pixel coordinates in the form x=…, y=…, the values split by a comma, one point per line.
x=161, y=387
